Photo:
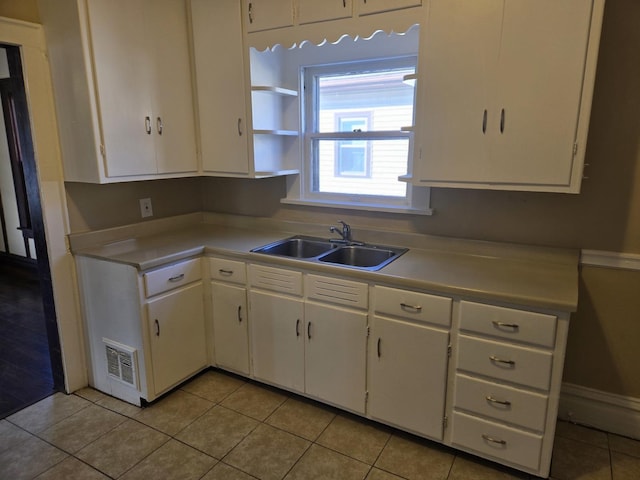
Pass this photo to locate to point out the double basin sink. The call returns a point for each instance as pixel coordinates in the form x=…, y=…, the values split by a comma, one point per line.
x=335, y=252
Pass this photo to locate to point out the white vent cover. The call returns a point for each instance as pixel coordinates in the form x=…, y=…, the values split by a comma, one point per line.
x=121, y=362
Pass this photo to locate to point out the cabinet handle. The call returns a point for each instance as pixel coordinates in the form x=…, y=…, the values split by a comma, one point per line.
x=297, y=327
x=250, y=12
x=493, y=358
x=502, y=120
x=406, y=306
x=344, y=3
x=147, y=125
x=239, y=127
x=157, y=327
x=484, y=121
x=494, y=440
x=159, y=125
x=240, y=313
x=506, y=403
x=309, y=330
x=379, y=352
x=498, y=324
x=225, y=272
x=177, y=278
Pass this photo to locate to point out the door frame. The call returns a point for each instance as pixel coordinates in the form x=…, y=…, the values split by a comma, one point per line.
x=63, y=298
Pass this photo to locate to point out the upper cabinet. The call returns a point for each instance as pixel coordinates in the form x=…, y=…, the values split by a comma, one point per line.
x=310, y=11
x=504, y=93
x=268, y=14
x=367, y=7
x=122, y=88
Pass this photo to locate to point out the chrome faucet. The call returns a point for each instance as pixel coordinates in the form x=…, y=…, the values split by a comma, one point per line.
x=345, y=232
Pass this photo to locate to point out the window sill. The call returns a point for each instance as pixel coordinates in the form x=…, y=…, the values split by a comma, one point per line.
x=370, y=207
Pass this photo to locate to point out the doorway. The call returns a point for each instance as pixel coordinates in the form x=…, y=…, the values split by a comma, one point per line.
x=30, y=356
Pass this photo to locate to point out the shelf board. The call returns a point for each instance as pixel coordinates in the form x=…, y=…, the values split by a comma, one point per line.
x=286, y=133
x=276, y=173
x=277, y=90
x=407, y=128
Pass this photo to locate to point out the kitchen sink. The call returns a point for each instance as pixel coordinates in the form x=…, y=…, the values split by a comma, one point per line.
x=362, y=256
x=312, y=249
x=298, y=247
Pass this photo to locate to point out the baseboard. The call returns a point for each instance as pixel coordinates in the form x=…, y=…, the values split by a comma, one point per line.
x=606, y=411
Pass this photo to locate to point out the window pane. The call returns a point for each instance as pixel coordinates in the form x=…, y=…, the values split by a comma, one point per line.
x=368, y=102
x=361, y=167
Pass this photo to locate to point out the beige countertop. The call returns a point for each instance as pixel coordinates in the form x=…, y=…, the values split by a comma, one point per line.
x=544, y=278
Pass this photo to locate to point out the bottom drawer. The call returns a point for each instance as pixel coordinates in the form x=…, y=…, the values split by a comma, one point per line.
x=498, y=441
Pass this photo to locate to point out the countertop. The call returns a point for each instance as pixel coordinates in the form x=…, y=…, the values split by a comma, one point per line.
x=545, y=278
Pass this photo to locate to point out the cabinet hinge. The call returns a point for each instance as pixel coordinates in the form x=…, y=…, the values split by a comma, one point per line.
x=449, y=350
x=103, y=150
x=445, y=421
x=575, y=149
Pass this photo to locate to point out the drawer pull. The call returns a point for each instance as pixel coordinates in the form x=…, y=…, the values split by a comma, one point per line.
x=415, y=308
x=379, y=351
x=225, y=272
x=494, y=440
x=498, y=324
x=297, y=327
x=309, y=330
x=239, y=313
x=157, y=327
x=177, y=278
x=493, y=358
x=506, y=403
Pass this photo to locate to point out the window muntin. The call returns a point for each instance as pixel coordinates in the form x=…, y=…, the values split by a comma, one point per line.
x=355, y=144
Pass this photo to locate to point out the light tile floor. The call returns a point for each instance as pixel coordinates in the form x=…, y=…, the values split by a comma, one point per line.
x=219, y=426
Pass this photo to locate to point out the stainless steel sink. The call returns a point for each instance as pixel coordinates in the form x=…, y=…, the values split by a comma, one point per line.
x=369, y=257
x=298, y=247
x=313, y=249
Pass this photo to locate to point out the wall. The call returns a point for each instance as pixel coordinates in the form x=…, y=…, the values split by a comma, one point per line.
x=605, y=216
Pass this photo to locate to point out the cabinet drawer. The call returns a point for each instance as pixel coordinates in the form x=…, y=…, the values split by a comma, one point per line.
x=413, y=305
x=499, y=441
x=507, y=404
x=521, y=365
x=509, y=323
x=276, y=279
x=171, y=277
x=337, y=290
x=227, y=270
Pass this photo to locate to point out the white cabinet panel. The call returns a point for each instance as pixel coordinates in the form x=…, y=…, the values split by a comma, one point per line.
x=413, y=305
x=268, y=14
x=277, y=346
x=310, y=11
x=167, y=278
x=176, y=329
x=230, y=327
x=407, y=375
x=377, y=6
x=335, y=355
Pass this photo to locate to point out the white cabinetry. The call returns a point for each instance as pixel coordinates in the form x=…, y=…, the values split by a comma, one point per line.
x=122, y=88
x=268, y=14
x=145, y=332
x=408, y=360
x=310, y=11
x=506, y=384
x=504, y=93
x=221, y=88
x=230, y=315
x=367, y=7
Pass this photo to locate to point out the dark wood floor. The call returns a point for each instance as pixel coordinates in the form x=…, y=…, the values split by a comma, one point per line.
x=25, y=367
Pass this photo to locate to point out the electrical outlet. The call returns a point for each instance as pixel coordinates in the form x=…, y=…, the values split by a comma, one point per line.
x=146, y=210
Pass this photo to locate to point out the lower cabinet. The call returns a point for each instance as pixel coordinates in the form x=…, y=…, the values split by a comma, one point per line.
x=177, y=337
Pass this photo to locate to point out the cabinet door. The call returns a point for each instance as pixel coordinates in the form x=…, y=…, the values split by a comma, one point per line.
x=277, y=341
x=539, y=87
x=310, y=11
x=177, y=335
x=268, y=14
x=460, y=52
x=173, y=114
x=221, y=89
x=124, y=73
x=335, y=355
x=230, y=331
x=408, y=373
x=377, y=6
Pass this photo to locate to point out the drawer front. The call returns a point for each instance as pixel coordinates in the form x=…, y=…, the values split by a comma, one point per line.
x=227, y=270
x=276, y=279
x=521, y=365
x=336, y=290
x=171, y=277
x=508, y=323
x=507, y=404
x=494, y=440
x=413, y=305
